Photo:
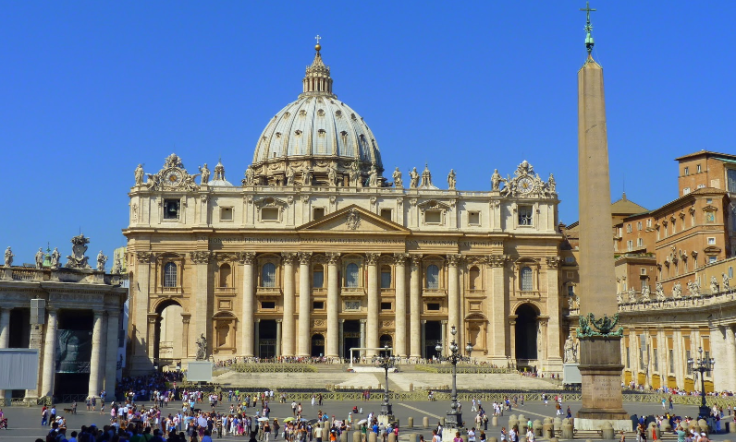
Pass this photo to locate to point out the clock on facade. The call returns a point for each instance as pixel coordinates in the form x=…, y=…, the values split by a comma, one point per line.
x=172, y=177
x=525, y=185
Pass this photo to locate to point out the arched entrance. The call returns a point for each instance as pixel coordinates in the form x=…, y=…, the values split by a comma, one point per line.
x=386, y=341
x=527, y=326
x=318, y=345
x=350, y=337
x=169, y=331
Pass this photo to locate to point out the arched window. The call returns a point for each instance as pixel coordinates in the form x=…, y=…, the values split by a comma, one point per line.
x=526, y=279
x=268, y=275
x=474, y=278
x=225, y=275
x=351, y=278
x=385, y=277
x=433, y=277
x=318, y=276
x=170, y=274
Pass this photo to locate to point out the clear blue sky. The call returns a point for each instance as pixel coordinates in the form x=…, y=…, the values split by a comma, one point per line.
x=90, y=89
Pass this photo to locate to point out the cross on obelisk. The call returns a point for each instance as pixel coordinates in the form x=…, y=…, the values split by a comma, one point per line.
x=589, y=43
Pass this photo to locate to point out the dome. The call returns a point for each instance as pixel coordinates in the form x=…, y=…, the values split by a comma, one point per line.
x=316, y=132
x=219, y=180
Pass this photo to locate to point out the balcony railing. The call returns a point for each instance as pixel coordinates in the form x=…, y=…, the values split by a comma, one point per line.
x=268, y=291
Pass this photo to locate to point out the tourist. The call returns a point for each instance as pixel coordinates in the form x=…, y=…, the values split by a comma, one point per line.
x=471, y=435
x=436, y=437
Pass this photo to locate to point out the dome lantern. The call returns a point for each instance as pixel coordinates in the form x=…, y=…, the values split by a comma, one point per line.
x=317, y=80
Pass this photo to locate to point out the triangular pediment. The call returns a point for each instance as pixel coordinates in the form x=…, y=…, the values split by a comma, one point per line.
x=353, y=219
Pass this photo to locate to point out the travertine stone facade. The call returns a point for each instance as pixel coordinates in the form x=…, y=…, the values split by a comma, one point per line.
x=317, y=253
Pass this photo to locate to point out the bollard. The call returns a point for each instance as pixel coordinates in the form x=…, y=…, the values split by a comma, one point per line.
x=557, y=424
x=522, y=419
x=567, y=430
x=703, y=426
x=494, y=421
x=425, y=422
x=372, y=437
x=493, y=439
x=588, y=440
x=537, y=428
x=392, y=437
x=357, y=436
x=344, y=436
x=442, y=422
x=547, y=431
x=554, y=439
x=607, y=430
x=410, y=422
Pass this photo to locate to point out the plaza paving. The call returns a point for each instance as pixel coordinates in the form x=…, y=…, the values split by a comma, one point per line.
x=25, y=422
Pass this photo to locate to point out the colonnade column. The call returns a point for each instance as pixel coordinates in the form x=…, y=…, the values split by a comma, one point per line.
x=4, y=338
x=554, y=360
x=730, y=357
x=333, y=301
x=279, y=337
x=372, y=323
x=400, y=340
x=94, y=362
x=362, y=337
x=453, y=298
x=498, y=316
x=305, y=307
x=49, y=353
x=287, y=336
x=415, y=306
x=248, y=260
x=185, y=319
x=111, y=350
x=512, y=338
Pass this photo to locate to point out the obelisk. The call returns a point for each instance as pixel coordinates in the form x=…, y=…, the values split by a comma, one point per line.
x=600, y=350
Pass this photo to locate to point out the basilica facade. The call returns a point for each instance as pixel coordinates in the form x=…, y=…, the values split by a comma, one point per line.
x=316, y=252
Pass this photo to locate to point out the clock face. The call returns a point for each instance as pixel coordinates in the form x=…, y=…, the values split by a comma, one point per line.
x=172, y=177
x=525, y=185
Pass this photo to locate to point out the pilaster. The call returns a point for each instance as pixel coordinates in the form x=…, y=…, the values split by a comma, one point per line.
x=373, y=303
x=248, y=316
x=333, y=305
x=415, y=325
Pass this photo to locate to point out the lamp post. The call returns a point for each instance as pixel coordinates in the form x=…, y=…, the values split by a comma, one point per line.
x=386, y=361
x=454, y=416
x=702, y=365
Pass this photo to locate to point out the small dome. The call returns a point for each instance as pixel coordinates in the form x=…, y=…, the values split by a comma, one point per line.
x=219, y=179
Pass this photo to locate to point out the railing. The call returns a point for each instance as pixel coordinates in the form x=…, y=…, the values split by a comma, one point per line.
x=27, y=275
x=352, y=291
x=434, y=293
x=268, y=291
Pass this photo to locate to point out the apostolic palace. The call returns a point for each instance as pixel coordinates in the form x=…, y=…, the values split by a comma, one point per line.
x=318, y=250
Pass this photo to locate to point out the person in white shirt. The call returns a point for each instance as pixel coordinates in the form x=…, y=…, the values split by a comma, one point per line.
x=471, y=435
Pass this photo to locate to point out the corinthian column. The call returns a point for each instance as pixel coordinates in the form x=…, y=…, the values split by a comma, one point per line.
x=287, y=332
x=453, y=296
x=202, y=316
x=111, y=349
x=305, y=299
x=248, y=260
x=94, y=363
x=333, y=301
x=415, y=313
x=371, y=260
x=49, y=353
x=400, y=341
x=4, y=338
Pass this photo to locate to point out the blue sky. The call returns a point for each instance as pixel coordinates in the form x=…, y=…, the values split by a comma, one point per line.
x=90, y=89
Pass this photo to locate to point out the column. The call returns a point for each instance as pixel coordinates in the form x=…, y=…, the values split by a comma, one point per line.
x=400, y=321
x=371, y=260
x=4, y=340
x=257, y=336
x=111, y=348
x=554, y=359
x=151, y=319
x=202, y=316
x=94, y=363
x=49, y=353
x=279, y=336
x=415, y=312
x=341, y=340
x=498, y=316
x=543, y=347
x=512, y=338
x=248, y=261
x=287, y=337
x=730, y=357
x=424, y=335
x=362, y=337
x=185, y=319
x=453, y=298
x=444, y=332
x=333, y=305
x=139, y=307
x=305, y=306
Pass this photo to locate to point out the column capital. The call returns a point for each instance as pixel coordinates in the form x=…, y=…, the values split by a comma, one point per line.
x=372, y=258
x=289, y=257
x=553, y=262
x=332, y=257
x=497, y=260
x=305, y=258
x=98, y=313
x=152, y=317
x=453, y=260
x=145, y=257
x=416, y=260
x=200, y=257
x=362, y=321
x=246, y=258
x=400, y=258
x=186, y=317
x=279, y=321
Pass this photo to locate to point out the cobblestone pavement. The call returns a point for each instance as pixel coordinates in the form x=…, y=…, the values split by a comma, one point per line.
x=25, y=422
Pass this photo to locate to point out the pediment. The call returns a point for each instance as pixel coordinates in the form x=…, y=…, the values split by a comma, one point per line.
x=353, y=219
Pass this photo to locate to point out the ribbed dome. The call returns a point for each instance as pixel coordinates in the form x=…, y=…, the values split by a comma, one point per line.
x=317, y=126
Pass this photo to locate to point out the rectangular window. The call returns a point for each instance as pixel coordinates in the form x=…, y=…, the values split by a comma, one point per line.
x=640, y=242
x=699, y=170
x=387, y=214
x=318, y=305
x=226, y=213
x=711, y=241
x=630, y=245
x=525, y=216
x=268, y=305
x=433, y=217
x=433, y=306
x=712, y=259
x=628, y=228
x=474, y=218
x=643, y=271
x=687, y=171
x=638, y=225
x=318, y=278
x=270, y=214
x=318, y=213
x=649, y=223
x=171, y=209
x=385, y=306
x=386, y=278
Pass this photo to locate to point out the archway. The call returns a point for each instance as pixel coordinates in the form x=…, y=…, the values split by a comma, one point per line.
x=267, y=338
x=318, y=345
x=526, y=333
x=169, y=331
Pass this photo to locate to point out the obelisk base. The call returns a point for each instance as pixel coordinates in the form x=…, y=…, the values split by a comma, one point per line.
x=600, y=368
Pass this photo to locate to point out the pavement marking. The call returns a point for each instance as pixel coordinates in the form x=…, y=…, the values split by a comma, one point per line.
x=420, y=410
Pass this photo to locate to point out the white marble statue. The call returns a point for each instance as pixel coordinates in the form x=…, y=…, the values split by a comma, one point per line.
x=426, y=177
x=726, y=281
x=645, y=292
x=101, y=260
x=632, y=295
x=39, y=258
x=677, y=290
x=249, y=176
x=201, y=348
x=694, y=288
x=496, y=180
x=139, y=175
x=451, y=180
x=660, y=292
x=55, y=258
x=571, y=354
x=289, y=176
x=398, y=183
x=373, y=177
x=713, y=285
x=117, y=265
x=551, y=184
x=205, y=174
x=355, y=175
x=332, y=176
x=413, y=178
x=307, y=177
x=9, y=257
x=620, y=298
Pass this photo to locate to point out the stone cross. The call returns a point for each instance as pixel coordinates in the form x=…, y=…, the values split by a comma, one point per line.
x=318, y=38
